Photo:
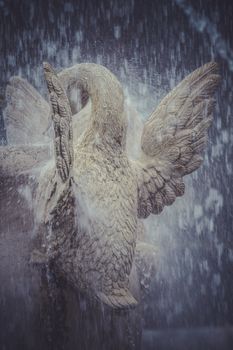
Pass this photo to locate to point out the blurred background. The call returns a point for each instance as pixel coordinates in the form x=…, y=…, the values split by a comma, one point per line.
x=150, y=46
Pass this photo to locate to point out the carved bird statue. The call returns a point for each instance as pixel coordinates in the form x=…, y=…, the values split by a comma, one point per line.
x=89, y=201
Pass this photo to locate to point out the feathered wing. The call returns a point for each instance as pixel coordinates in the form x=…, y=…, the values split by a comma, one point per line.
x=173, y=139
x=26, y=114
x=26, y=121
x=62, y=123
x=55, y=181
x=28, y=128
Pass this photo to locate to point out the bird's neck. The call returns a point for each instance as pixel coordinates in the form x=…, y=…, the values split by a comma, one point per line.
x=106, y=133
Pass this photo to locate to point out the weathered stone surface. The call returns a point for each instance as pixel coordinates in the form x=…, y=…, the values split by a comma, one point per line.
x=87, y=206
x=82, y=213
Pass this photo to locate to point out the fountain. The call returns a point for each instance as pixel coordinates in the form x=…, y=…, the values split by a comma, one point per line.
x=191, y=242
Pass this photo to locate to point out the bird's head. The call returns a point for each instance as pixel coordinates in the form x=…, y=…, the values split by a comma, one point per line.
x=108, y=123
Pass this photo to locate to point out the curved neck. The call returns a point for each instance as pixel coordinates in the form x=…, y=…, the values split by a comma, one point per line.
x=108, y=123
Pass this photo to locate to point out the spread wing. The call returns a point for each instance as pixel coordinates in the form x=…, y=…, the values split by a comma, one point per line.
x=26, y=114
x=173, y=139
x=26, y=122
x=61, y=116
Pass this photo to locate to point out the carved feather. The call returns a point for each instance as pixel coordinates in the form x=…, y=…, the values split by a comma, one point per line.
x=26, y=114
x=61, y=116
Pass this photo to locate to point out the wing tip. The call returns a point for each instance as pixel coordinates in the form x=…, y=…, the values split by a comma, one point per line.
x=211, y=64
x=210, y=68
x=47, y=67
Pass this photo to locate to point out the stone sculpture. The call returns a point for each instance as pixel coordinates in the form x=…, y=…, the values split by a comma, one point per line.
x=89, y=202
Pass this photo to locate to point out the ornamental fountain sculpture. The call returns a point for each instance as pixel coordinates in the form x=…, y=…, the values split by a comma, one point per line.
x=90, y=194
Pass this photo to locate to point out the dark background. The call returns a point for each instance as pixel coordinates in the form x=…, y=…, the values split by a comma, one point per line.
x=150, y=46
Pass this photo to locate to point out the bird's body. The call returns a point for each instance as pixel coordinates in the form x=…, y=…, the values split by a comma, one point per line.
x=103, y=197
